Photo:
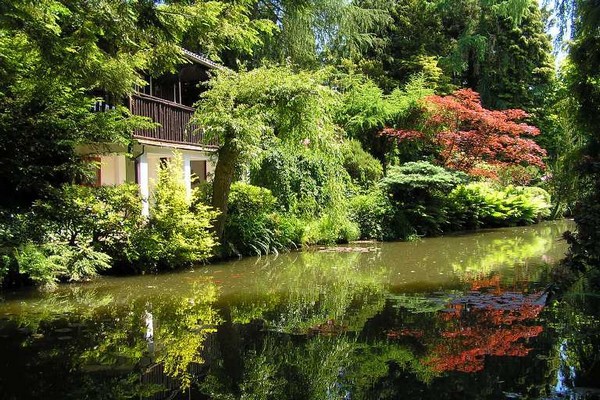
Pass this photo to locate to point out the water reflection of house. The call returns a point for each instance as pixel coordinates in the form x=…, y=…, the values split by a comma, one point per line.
x=168, y=101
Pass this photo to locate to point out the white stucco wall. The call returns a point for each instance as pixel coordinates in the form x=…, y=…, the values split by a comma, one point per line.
x=112, y=170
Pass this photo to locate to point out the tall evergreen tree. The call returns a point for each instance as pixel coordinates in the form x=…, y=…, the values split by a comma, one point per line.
x=518, y=68
x=497, y=48
x=312, y=32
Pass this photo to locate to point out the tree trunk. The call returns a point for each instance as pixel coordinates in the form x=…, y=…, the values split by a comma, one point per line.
x=224, y=173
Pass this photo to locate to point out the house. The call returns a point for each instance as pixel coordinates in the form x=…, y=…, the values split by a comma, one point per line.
x=168, y=101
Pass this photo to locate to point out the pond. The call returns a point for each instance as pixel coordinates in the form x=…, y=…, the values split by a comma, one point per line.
x=461, y=316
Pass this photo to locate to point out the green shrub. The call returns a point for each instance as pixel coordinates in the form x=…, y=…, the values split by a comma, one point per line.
x=304, y=184
x=71, y=228
x=120, y=223
x=481, y=204
x=418, y=192
x=70, y=214
x=373, y=214
x=81, y=262
x=39, y=265
x=48, y=263
x=80, y=230
x=290, y=229
x=329, y=229
x=105, y=220
x=421, y=179
x=467, y=207
x=254, y=227
x=177, y=233
x=364, y=169
x=5, y=267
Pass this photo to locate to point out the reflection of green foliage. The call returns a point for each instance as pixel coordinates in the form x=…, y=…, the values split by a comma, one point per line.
x=182, y=335
x=117, y=345
x=321, y=363
x=371, y=362
x=84, y=303
x=115, y=336
x=245, y=311
x=315, y=368
x=183, y=324
x=501, y=253
x=317, y=288
x=127, y=387
x=261, y=374
x=281, y=368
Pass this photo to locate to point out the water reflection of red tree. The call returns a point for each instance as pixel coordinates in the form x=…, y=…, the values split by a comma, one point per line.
x=476, y=325
x=494, y=332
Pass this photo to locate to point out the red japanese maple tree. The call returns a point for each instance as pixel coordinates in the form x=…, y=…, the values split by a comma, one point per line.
x=471, y=138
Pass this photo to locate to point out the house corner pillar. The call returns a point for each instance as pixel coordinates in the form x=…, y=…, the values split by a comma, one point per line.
x=143, y=174
x=187, y=175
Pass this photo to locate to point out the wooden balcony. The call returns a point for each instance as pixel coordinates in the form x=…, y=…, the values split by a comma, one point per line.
x=173, y=119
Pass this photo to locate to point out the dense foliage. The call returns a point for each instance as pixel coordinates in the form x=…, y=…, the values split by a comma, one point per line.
x=248, y=111
x=177, y=233
x=479, y=205
x=419, y=198
x=253, y=226
x=418, y=191
x=337, y=120
x=81, y=230
x=303, y=182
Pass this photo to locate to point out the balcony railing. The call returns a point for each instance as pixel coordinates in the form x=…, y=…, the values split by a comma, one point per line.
x=173, y=118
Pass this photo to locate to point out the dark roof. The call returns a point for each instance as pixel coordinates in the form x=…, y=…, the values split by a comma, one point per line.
x=200, y=59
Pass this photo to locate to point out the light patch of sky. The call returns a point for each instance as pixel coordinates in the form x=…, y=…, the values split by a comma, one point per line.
x=559, y=46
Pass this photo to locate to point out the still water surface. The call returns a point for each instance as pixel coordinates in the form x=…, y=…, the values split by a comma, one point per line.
x=461, y=316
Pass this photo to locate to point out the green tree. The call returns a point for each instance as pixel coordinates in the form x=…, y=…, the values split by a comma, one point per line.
x=518, y=69
x=414, y=43
x=497, y=48
x=249, y=111
x=313, y=32
x=365, y=110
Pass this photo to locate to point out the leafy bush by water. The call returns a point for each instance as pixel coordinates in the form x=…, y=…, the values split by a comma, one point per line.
x=306, y=184
x=480, y=204
x=418, y=192
x=66, y=237
x=252, y=225
x=331, y=228
x=374, y=215
x=364, y=169
x=80, y=230
x=421, y=199
x=178, y=232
